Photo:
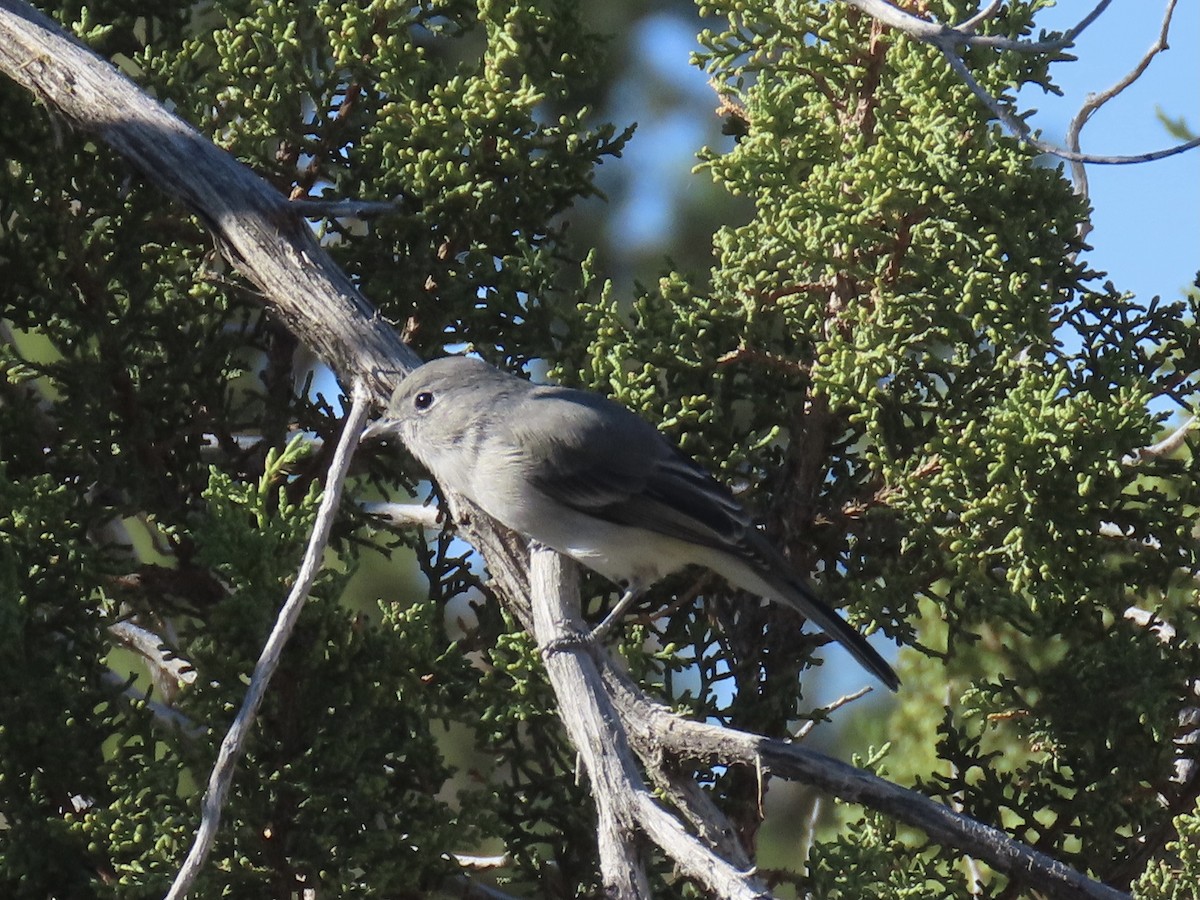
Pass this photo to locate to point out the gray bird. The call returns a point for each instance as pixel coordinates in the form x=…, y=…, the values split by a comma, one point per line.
x=590, y=479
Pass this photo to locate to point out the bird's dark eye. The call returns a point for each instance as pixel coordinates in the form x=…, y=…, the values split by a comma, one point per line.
x=423, y=400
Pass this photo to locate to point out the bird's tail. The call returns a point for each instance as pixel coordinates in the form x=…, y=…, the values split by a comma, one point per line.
x=769, y=580
x=827, y=619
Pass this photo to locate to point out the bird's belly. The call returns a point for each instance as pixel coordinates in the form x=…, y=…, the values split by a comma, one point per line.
x=621, y=553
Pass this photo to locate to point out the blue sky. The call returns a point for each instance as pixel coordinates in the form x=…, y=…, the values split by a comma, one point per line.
x=1146, y=216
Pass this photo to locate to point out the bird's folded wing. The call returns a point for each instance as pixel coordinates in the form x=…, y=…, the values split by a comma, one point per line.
x=620, y=469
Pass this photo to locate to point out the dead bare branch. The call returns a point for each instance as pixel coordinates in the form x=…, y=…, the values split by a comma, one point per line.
x=656, y=733
x=963, y=35
x=262, y=235
x=1096, y=101
x=154, y=650
x=1164, y=447
x=405, y=515
x=625, y=806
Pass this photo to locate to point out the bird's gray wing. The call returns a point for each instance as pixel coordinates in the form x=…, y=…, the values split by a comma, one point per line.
x=606, y=461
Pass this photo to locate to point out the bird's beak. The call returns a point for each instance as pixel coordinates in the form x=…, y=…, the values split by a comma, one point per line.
x=379, y=429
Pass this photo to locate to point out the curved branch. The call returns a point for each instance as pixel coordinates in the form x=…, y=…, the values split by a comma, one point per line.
x=1095, y=101
x=154, y=650
x=963, y=35
x=264, y=237
x=1017, y=127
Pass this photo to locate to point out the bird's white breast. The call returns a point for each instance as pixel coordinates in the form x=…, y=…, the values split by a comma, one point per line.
x=621, y=553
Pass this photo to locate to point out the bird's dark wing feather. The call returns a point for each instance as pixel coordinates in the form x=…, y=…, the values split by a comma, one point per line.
x=612, y=464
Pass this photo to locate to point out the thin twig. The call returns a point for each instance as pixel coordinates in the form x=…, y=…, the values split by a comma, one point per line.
x=231, y=747
x=1095, y=101
x=809, y=839
x=601, y=632
x=1024, y=133
x=803, y=731
x=971, y=25
x=1165, y=447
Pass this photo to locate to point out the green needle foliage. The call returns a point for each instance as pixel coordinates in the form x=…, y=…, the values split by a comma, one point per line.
x=903, y=362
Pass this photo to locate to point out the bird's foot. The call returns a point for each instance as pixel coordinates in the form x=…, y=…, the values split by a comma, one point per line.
x=567, y=643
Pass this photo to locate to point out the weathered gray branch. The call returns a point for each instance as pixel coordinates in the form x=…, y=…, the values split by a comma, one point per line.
x=964, y=35
x=655, y=733
x=265, y=238
x=154, y=650
x=1164, y=447
x=268, y=661
x=625, y=805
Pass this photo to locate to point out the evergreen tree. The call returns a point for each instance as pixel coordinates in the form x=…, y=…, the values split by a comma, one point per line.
x=903, y=361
